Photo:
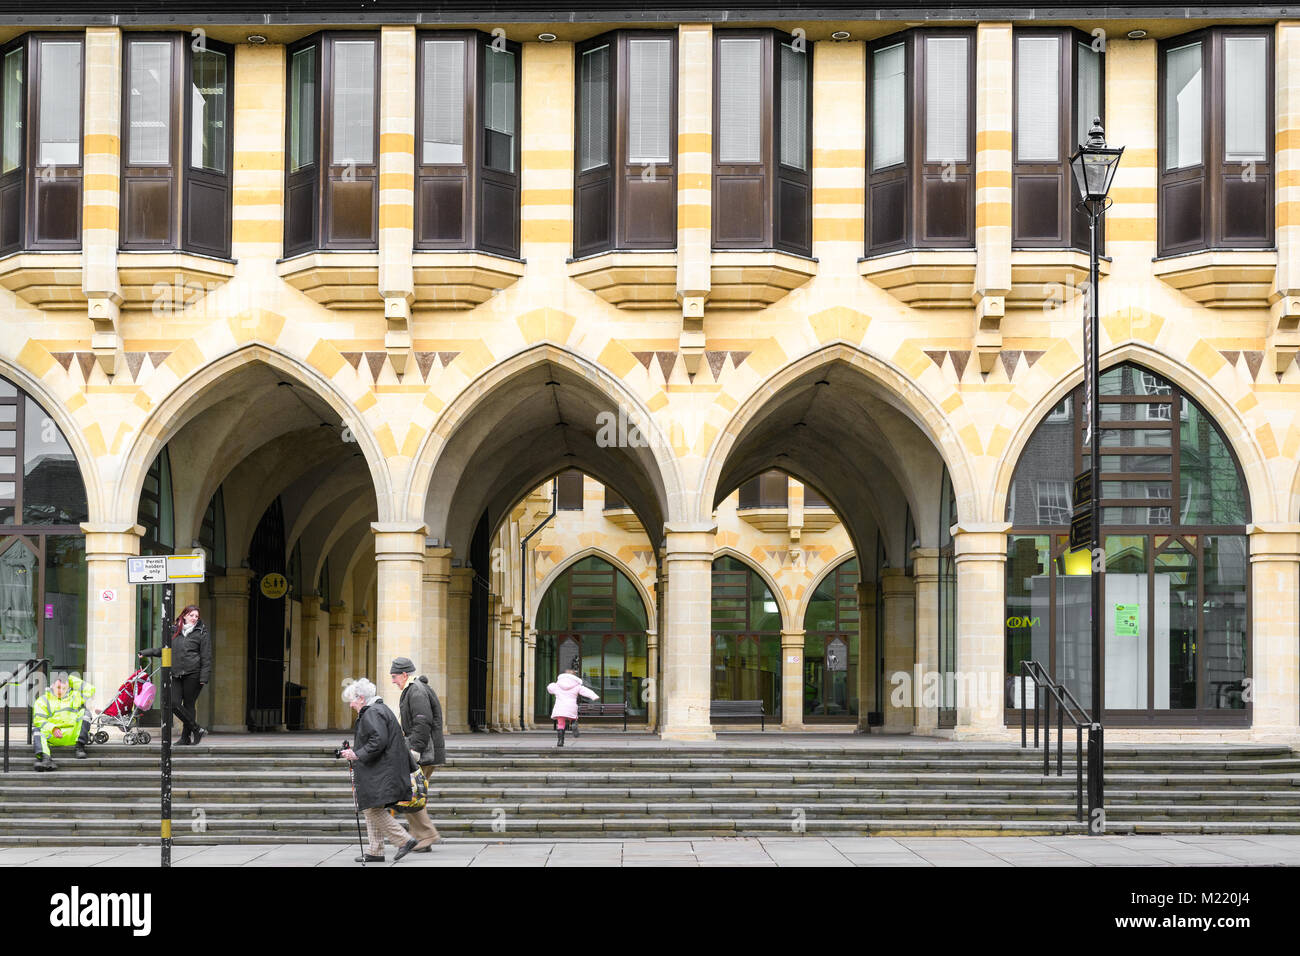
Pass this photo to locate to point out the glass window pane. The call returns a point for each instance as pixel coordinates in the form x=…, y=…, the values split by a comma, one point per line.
x=19, y=598
x=1245, y=98
x=354, y=103
x=947, y=103
x=1047, y=457
x=888, y=106
x=1038, y=99
x=499, y=110
x=302, y=109
x=794, y=107
x=208, y=90
x=1183, y=106
x=1225, y=561
x=1175, y=626
x=1210, y=490
x=1089, y=91
x=444, y=103
x=593, y=109
x=740, y=90
x=1028, y=611
x=649, y=98
x=53, y=492
x=1125, y=618
x=13, y=110
x=60, y=111
x=149, y=72
x=64, y=603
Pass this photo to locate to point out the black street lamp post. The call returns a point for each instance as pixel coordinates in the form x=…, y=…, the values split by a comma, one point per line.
x=1093, y=164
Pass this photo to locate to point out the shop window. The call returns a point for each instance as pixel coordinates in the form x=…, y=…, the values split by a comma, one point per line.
x=921, y=141
x=1216, y=141
x=625, y=182
x=762, y=160
x=41, y=95
x=176, y=156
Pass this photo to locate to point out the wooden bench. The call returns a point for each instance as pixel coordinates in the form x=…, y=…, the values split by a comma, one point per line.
x=588, y=708
x=737, y=709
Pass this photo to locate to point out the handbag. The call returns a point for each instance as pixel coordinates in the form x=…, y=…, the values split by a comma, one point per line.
x=419, y=794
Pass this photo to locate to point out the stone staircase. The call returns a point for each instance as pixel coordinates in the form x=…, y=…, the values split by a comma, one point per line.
x=286, y=791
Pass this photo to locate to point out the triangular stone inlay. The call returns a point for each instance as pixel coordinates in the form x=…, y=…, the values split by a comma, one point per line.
x=376, y=362
x=1032, y=357
x=936, y=356
x=1009, y=358
x=715, y=360
x=738, y=357
x=666, y=362
x=87, y=361
x=644, y=358
x=64, y=359
x=959, y=361
x=446, y=358
x=133, y=361
x=424, y=360
x=157, y=358
x=1231, y=356
x=1254, y=360
x=353, y=359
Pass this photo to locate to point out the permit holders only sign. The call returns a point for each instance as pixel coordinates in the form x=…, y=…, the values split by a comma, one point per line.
x=165, y=569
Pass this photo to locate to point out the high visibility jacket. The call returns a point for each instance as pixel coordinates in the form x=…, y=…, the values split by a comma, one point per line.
x=63, y=712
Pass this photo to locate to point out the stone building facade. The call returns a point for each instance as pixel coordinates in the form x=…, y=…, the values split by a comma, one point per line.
x=332, y=295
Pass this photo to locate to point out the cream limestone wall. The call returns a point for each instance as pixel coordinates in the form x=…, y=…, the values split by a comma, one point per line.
x=117, y=414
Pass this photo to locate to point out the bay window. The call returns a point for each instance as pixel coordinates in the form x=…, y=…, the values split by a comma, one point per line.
x=41, y=94
x=762, y=159
x=921, y=141
x=332, y=188
x=1215, y=141
x=625, y=183
x=176, y=155
x=1058, y=93
x=467, y=149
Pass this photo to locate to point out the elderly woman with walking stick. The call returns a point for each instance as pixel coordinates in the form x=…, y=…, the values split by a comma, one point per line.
x=383, y=768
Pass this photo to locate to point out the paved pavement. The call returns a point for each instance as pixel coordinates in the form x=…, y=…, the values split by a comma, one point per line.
x=1264, y=850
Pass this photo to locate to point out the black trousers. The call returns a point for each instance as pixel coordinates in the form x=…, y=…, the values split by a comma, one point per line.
x=185, y=689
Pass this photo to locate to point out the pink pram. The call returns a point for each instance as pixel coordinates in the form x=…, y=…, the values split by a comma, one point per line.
x=133, y=697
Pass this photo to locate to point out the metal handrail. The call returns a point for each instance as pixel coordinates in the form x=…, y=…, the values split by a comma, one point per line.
x=1066, y=705
x=30, y=667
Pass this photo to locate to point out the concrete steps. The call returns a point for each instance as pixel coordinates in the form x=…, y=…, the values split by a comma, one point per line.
x=298, y=793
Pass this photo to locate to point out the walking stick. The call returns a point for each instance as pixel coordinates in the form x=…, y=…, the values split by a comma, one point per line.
x=352, y=776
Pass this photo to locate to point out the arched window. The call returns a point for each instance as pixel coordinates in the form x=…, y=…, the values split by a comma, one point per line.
x=746, y=636
x=1175, y=595
x=594, y=613
x=42, y=548
x=830, y=647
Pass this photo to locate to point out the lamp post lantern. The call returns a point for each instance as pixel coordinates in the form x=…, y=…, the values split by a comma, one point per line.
x=1093, y=165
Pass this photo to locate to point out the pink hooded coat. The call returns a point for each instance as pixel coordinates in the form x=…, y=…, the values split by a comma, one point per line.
x=566, y=689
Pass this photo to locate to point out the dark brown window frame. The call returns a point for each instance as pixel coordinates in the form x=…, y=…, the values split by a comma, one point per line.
x=612, y=200
x=21, y=188
x=568, y=484
x=784, y=221
x=913, y=173
x=1214, y=175
x=186, y=216
x=323, y=174
x=770, y=489
x=1061, y=225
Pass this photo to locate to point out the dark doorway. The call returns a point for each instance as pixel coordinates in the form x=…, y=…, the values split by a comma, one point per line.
x=266, y=660
x=480, y=560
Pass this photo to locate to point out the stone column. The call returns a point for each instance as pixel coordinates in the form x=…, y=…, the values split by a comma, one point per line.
x=925, y=576
x=314, y=663
x=433, y=656
x=397, y=189
x=980, y=553
x=530, y=678
x=993, y=112
x=867, y=654
x=792, y=680
x=495, y=653
x=399, y=553
x=229, y=690
x=110, y=624
x=1275, y=621
x=652, y=673
x=338, y=713
x=1283, y=341
x=687, y=633
x=101, y=197
x=694, y=184
x=455, y=707
x=899, y=686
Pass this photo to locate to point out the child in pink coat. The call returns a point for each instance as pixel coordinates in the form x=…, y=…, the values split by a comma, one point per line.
x=566, y=689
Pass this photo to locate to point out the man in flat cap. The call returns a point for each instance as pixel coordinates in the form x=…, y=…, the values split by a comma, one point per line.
x=421, y=716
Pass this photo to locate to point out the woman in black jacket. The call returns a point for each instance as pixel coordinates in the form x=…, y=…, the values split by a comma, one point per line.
x=383, y=769
x=191, y=669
